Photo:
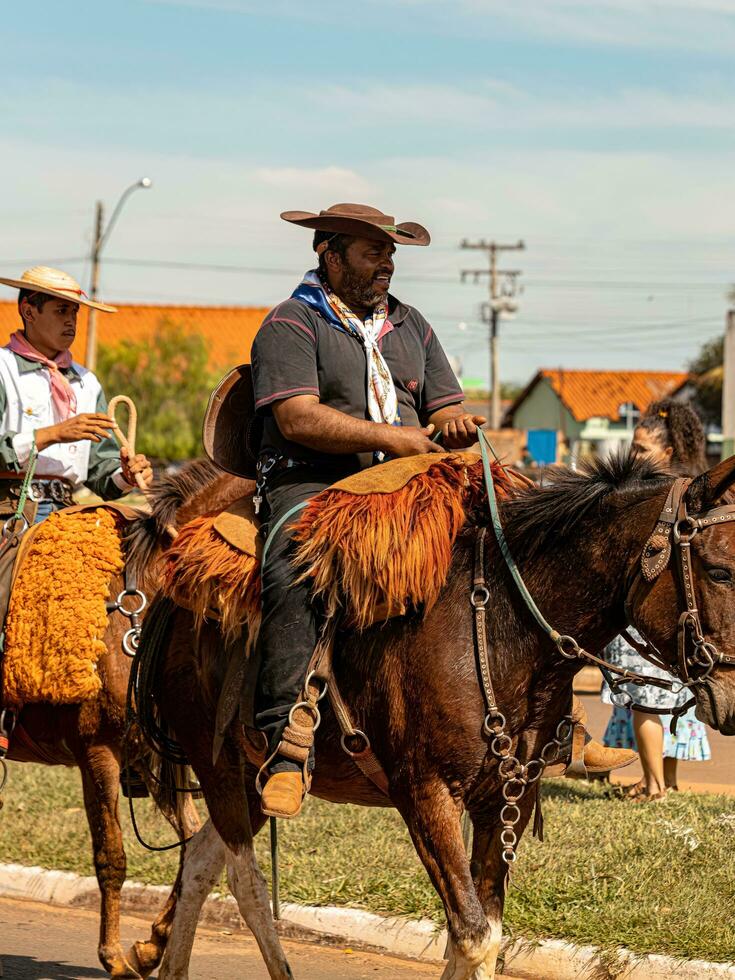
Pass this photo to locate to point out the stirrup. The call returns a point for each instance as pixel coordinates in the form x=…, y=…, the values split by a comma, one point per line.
x=297, y=740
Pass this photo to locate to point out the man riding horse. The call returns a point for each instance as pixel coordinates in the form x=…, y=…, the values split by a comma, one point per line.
x=53, y=409
x=345, y=377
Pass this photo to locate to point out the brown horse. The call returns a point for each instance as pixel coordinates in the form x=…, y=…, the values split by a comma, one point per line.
x=412, y=685
x=91, y=736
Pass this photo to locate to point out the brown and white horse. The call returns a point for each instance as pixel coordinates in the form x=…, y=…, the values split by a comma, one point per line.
x=91, y=737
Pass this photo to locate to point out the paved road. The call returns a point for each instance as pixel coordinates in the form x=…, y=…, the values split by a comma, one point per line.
x=715, y=776
x=38, y=942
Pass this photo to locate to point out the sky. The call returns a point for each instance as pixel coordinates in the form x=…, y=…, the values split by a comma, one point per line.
x=600, y=132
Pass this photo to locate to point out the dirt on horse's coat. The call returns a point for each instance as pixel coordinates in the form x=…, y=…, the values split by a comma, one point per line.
x=57, y=616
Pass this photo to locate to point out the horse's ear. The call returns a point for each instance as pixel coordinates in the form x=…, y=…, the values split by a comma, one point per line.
x=710, y=487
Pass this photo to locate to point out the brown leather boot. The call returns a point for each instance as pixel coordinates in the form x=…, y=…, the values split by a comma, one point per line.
x=283, y=795
x=600, y=758
x=585, y=754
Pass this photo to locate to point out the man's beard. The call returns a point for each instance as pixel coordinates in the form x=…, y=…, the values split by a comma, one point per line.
x=359, y=291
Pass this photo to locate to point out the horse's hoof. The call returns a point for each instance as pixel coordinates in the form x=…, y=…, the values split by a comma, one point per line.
x=120, y=968
x=144, y=957
x=471, y=963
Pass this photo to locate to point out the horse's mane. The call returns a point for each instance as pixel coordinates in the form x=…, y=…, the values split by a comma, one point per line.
x=534, y=519
x=198, y=487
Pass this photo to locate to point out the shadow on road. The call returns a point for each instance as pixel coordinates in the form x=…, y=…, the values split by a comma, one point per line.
x=29, y=968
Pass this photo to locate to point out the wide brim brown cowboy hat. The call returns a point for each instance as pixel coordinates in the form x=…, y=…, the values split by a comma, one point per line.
x=361, y=221
x=54, y=282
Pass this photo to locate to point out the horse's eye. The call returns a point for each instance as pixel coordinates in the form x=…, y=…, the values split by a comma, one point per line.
x=719, y=574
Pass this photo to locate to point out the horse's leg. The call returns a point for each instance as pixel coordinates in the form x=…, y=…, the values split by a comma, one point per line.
x=230, y=808
x=100, y=769
x=183, y=817
x=489, y=871
x=203, y=864
x=247, y=883
x=432, y=817
x=223, y=783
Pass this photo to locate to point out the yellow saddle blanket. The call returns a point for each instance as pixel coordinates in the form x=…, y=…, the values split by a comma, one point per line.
x=57, y=616
x=373, y=544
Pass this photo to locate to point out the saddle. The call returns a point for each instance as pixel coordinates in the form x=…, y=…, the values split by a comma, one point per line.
x=375, y=545
x=57, y=610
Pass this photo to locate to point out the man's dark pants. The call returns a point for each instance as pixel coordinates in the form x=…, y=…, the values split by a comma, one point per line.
x=290, y=626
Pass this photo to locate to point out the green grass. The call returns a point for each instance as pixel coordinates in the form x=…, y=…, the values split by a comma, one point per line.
x=656, y=878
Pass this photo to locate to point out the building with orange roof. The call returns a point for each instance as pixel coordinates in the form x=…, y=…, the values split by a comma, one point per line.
x=590, y=411
x=228, y=330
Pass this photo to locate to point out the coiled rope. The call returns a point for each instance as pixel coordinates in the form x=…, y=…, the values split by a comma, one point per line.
x=127, y=441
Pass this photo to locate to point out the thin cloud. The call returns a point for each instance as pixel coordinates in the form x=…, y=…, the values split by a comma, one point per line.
x=333, y=179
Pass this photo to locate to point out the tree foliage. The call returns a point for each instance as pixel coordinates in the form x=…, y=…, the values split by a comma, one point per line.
x=168, y=378
x=707, y=370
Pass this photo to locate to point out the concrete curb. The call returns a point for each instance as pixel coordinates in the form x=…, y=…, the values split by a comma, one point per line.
x=550, y=959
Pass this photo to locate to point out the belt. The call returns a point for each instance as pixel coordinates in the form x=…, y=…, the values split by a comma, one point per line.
x=269, y=465
x=55, y=489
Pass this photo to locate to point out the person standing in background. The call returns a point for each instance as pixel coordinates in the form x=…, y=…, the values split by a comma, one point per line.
x=670, y=434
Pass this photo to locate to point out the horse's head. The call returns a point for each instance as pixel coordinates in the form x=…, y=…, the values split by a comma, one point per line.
x=683, y=599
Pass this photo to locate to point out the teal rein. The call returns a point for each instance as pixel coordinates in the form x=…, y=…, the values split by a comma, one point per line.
x=27, y=480
x=276, y=528
x=503, y=543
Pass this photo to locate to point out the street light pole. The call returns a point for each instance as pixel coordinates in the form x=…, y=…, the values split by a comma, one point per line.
x=90, y=358
x=100, y=238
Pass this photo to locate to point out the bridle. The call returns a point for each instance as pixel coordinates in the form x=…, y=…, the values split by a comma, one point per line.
x=672, y=536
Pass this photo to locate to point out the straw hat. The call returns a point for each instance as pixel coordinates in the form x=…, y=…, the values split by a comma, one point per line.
x=54, y=282
x=361, y=221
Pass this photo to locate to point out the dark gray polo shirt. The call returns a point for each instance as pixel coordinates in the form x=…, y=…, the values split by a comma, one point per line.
x=298, y=352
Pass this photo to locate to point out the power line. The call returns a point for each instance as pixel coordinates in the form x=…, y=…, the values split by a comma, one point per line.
x=418, y=277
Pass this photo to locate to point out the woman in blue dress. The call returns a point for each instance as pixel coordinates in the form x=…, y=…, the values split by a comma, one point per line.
x=671, y=434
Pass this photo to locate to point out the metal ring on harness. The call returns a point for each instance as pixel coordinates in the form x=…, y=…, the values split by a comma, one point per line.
x=9, y=526
x=312, y=708
x=131, y=612
x=564, y=641
x=131, y=641
x=355, y=734
x=494, y=723
x=483, y=594
x=685, y=529
x=621, y=699
x=308, y=681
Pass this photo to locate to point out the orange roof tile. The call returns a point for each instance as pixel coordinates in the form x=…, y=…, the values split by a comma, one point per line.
x=600, y=394
x=229, y=330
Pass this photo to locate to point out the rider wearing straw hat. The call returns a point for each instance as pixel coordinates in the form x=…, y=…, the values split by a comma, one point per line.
x=53, y=408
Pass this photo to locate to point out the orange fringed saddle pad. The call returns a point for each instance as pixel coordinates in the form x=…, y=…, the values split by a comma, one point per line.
x=376, y=542
x=382, y=540
x=57, y=616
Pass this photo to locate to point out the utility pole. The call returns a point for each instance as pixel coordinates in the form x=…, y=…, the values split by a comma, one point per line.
x=90, y=357
x=728, y=388
x=503, y=288
x=101, y=235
